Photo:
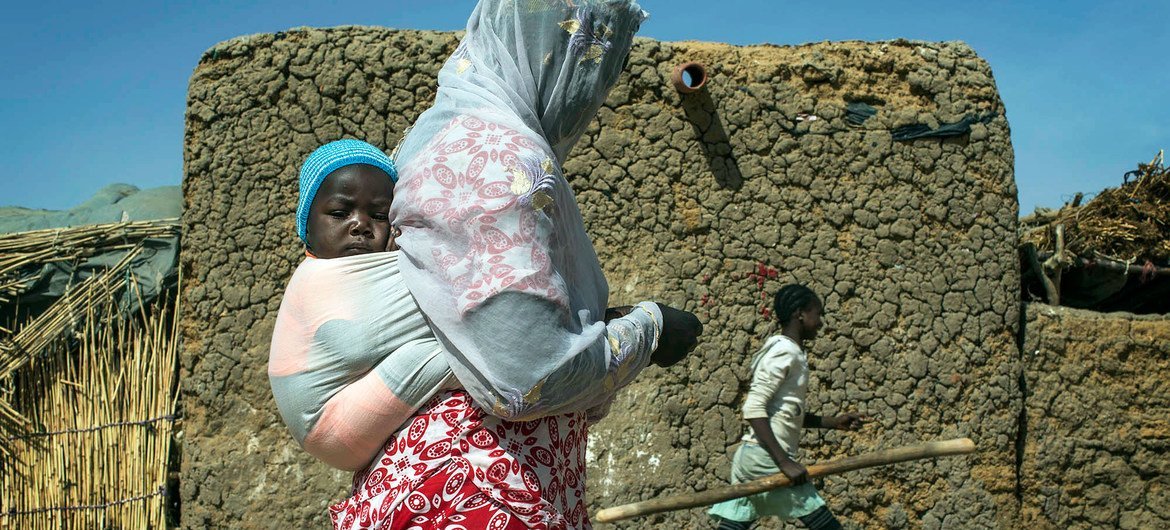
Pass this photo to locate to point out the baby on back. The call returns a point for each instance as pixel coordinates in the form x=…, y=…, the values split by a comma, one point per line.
x=352, y=357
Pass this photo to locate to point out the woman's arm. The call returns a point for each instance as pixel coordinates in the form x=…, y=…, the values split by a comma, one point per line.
x=594, y=371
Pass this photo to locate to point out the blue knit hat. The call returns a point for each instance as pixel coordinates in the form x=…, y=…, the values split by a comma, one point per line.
x=329, y=158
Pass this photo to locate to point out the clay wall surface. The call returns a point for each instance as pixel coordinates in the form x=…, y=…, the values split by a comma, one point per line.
x=1098, y=420
x=709, y=202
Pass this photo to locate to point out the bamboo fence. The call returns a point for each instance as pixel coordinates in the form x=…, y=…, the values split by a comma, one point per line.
x=100, y=458
x=88, y=403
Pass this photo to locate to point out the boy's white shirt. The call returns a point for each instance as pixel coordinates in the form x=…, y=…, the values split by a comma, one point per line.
x=777, y=392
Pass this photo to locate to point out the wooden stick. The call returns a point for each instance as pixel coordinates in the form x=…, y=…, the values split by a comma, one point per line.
x=958, y=446
x=1049, y=288
x=1058, y=270
x=1115, y=265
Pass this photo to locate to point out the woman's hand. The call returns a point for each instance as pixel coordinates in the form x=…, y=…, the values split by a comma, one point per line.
x=612, y=313
x=850, y=421
x=680, y=335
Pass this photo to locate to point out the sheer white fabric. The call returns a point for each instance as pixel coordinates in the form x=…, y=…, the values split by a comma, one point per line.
x=495, y=248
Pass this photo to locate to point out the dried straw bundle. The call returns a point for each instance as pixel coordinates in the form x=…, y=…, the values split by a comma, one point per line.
x=87, y=394
x=64, y=315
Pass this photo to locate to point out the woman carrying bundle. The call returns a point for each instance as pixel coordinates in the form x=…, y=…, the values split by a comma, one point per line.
x=495, y=254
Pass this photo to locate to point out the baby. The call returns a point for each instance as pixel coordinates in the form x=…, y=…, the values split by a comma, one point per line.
x=352, y=356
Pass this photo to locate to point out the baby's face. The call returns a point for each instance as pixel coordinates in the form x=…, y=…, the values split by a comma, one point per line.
x=350, y=213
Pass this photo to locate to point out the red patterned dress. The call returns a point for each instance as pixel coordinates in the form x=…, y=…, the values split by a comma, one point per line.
x=457, y=467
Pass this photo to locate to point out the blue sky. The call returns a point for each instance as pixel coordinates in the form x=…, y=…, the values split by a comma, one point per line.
x=93, y=92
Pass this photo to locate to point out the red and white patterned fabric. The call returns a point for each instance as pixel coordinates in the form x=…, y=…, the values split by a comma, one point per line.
x=484, y=183
x=456, y=467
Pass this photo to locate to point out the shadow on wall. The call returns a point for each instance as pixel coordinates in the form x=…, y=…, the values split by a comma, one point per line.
x=700, y=110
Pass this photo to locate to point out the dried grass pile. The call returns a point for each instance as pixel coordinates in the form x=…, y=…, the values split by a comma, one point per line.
x=1129, y=223
x=22, y=254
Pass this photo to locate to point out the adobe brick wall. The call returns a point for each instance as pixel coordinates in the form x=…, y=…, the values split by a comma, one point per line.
x=710, y=202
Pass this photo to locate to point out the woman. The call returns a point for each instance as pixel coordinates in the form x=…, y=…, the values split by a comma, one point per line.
x=494, y=250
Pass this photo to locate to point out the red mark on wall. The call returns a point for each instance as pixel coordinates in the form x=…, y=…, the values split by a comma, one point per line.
x=760, y=275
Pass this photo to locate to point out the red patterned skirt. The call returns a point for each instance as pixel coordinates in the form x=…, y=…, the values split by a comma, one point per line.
x=457, y=467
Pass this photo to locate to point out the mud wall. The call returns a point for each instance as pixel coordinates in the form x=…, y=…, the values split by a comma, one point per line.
x=1097, y=428
x=709, y=202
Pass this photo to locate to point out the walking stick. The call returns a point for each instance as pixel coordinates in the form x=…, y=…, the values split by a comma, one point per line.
x=958, y=446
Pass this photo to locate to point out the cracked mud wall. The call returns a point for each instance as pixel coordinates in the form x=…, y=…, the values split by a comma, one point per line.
x=709, y=202
x=719, y=199
x=1098, y=420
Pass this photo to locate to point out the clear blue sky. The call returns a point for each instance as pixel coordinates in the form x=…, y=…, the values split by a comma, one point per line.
x=94, y=92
